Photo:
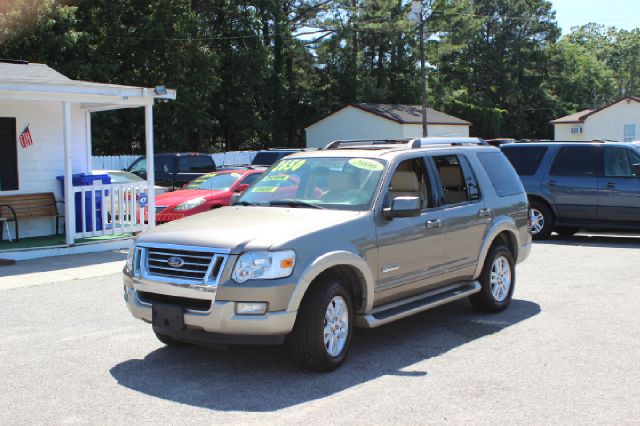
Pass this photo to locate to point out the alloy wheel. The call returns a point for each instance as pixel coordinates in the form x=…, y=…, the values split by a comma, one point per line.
x=336, y=326
x=500, y=278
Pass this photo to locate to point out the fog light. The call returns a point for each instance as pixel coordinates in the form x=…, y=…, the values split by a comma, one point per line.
x=251, y=308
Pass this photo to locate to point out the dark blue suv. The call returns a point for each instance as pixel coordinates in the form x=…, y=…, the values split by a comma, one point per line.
x=578, y=185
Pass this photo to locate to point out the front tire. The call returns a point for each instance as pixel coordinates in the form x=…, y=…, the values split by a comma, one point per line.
x=541, y=219
x=322, y=334
x=498, y=279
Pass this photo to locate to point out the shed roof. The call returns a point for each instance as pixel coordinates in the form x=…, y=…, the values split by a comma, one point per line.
x=580, y=117
x=410, y=114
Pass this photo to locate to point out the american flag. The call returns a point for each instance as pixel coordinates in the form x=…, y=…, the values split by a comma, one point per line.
x=25, y=138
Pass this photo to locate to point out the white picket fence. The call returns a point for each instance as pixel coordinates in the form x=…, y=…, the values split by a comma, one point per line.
x=119, y=162
x=109, y=209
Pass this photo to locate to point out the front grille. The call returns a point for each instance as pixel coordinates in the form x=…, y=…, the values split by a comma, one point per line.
x=160, y=208
x=183, y=302
x=191, y=265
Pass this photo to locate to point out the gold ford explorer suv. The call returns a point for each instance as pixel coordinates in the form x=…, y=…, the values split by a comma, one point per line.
x=358, y=234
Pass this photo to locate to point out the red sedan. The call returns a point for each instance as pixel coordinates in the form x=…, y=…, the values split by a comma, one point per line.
x=205, y=193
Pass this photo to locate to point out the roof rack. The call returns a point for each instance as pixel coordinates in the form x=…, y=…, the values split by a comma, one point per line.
x=364, y=142
x=406, y=143
x=446, y=140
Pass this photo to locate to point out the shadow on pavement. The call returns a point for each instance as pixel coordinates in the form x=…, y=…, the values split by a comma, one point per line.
x=595, y=240
x=261, y=379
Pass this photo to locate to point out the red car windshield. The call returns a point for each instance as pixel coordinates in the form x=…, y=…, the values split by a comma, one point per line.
x=214, y=181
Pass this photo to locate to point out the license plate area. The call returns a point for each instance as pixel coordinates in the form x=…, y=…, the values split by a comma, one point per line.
x=167, y=317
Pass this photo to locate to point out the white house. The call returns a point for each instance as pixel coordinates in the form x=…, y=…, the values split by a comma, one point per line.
x=57, y=113
x=618, y=121
x=382, y=121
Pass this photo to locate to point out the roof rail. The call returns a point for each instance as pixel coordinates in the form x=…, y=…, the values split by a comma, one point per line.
x=407, y=143
x=446, y=140
x=364, y=142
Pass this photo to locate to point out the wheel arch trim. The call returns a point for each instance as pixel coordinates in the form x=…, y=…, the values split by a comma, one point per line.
x=326, y=262
x=541, y=197
x=500, y=225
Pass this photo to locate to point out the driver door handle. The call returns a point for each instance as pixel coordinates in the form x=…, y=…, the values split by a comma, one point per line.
x=484, y=212
x=432, y=224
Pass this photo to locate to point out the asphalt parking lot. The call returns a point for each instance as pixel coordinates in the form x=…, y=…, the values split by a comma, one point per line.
x=566, y=351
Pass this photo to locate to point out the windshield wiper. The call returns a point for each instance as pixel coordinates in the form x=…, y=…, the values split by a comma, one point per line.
x=294, y=203
x=246, y=203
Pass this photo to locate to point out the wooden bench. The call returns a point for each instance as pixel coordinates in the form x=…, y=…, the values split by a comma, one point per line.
x=15, y=207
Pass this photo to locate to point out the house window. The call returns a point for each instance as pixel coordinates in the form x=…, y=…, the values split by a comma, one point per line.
x=629, y=132
x=8, y=154
x=576, y=130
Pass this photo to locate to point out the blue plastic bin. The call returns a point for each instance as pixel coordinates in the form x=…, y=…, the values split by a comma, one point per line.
x=83, y=179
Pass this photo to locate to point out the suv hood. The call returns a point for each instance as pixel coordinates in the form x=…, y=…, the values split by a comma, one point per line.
x=238, y=228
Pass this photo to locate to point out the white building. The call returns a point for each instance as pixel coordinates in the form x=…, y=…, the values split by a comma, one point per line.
x=617, y=121
x=382, y=121
x=57, y=111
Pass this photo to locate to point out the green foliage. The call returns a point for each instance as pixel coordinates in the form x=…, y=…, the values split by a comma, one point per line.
x=247, y=78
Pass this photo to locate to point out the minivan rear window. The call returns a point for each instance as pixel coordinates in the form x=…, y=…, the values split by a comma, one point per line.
x=526, y=159
x=501, y=174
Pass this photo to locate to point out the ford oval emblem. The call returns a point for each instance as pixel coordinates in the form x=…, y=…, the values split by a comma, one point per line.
x=175, y=262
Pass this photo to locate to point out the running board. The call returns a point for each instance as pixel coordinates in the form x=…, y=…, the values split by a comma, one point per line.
x=394, y=311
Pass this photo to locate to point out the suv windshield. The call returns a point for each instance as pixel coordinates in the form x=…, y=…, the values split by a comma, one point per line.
x=333, y=183
x=214, y=181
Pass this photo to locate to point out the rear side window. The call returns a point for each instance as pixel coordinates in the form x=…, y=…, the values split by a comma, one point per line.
x=452, y=179
x=196, y=163
x=163, y=163
x=501, y=173
x=525, y=160
x=577, y=161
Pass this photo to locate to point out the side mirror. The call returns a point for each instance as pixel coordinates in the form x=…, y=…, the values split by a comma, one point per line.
x=234, y=198
x=403, y=207
x=241, y=188
x=636, y=170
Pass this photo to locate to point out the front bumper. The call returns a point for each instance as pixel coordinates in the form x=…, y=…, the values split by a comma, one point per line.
x=220, y=324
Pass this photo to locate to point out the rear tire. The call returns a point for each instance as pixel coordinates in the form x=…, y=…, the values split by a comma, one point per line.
x=170, y=341
x=322, y=333
x=498, y=279
x=541, y=220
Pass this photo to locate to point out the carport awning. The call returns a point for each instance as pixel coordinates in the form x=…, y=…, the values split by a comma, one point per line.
x=38, y=82
x=90, y=95
x=22, y=81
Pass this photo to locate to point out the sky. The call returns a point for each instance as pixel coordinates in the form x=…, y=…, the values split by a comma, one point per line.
x=623, y=14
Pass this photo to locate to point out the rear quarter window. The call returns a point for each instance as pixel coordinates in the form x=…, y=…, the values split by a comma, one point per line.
x=501, y=173
x=525, y=160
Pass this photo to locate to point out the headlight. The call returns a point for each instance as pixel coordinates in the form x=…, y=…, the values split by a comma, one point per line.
x=266, y=265
x=191, y=204
x=132, y=249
